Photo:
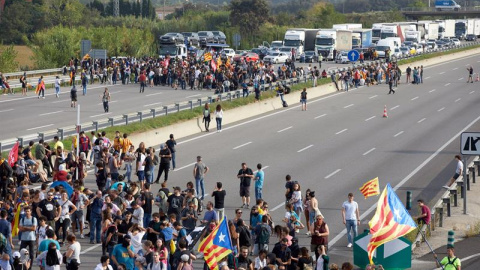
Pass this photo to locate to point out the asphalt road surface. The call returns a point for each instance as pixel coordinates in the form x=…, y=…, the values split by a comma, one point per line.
x=338, y=144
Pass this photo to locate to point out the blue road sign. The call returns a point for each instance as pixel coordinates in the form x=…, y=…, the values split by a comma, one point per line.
x=353, y=56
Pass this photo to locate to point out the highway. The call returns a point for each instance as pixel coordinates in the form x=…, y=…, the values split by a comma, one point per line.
x=338, y=144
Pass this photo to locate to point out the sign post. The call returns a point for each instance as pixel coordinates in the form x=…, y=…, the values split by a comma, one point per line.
x=236, y=40
x=468, y=146
x=353, y=56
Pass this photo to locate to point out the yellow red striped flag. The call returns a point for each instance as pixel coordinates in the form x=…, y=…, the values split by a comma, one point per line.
x=217, y=245
x=370, y=188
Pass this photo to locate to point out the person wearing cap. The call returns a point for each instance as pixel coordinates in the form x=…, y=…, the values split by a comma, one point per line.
x=450, y=262
x=123, y=253
x=165, y=156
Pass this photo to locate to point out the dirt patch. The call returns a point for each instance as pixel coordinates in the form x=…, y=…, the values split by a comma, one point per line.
x=24, y=57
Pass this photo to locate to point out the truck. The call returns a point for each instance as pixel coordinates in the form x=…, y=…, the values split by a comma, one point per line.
x=413, y=36
x=476, y=27
x=460, y=29
x=470, y=26
x=300, y=38
x=347, y=26
x=376, y=32
x=328, y=40
x=361, y=38
x=344, y=40
x=433, y=31
x=173, y=50
x=428, y=30
x=393, y=30
x=384, y=45
x=446, y=28
x=449, y=5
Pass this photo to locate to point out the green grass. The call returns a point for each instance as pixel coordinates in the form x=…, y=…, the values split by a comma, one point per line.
x=435, y=54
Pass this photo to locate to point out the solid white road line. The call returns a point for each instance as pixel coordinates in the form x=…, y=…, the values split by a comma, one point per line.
x=332, y=174
x=398, y=134
x=460, y=79
x=414, y=98
x=149, y=95
x=108, y=102
x=457, y=100
x=421, y=120
x=472, y=92
x=277, y=207
x=455, y=68
x=49, y=113
x=320, y=116
x=373, y=96
x=427, y=78
x=235, y=148
x=90, y=248
x=341, y=131
x=442, y=72
x=369, y=151
x=60, y=101
x=370, y=118
x=348, y=106
x=441, y=109
x=393, y=108
x=433, y=90
x=282, y=130
x=40, y=127
x=115, y=92
x=303, y=149
x=6, y=110
x=102, y=114
x=404, y=180
x=447, y=84
x=194, y=96
x=157, y=103
x=186, y=166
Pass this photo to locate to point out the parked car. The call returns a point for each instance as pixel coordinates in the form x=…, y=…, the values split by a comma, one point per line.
x=397, y=53
x=192, y=38
x=228, y=52
x=277, y=57
x=205, y=37
x=219, y=37
x=176, y=38
x=342, y=58
x=262, y=52
x=471, y=37
x=456, y=41
x=311, y=56
x=286, y=50
x=251, y=56
x=432, y=46
x=239, y=56
x=405, y=51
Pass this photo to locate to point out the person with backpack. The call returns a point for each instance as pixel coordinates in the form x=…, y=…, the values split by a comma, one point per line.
x=6, y=243
x=244, y=236
x=27, y=227
x=110, y=235
x=315, y=75
x=263, y=232
x=206, y=116
x=450, y=262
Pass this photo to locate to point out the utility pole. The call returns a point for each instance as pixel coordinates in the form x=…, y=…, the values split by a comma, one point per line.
x=116, y=8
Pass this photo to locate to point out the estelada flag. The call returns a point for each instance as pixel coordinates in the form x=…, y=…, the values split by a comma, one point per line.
x=217, y=245
x=214, y=66
x=13, y=155
x=207, y=56
x=370, y=188
x=391, y=221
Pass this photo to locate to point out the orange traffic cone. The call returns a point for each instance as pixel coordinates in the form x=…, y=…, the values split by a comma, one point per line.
x=385, y=115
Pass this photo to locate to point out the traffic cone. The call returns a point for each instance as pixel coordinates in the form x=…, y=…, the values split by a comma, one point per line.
x=385, y=115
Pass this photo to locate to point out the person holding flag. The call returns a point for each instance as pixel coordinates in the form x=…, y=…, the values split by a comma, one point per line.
x=217, y=245
x=40, y=88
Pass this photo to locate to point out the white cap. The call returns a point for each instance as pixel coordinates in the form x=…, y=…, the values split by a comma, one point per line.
x=16, y=254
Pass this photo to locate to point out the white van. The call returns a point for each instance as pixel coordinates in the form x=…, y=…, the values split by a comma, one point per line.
x=383, y=45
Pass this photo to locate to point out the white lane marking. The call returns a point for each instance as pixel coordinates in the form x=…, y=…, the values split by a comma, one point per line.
x=235, y=148
x=108, y=102
x=186, y=166
x=156, y=103
x=393, y=108
x=194, y=96
x=332, y=174
x=60, y=101
x=277, y=207
x=102, y=114
x=373, y=96
x=90, y=248
x=441, y=109
x=421, y=120
x=348, y=106
x=369, y=151
x=414, y=98
x=115, y=92
x=342, y=234
x=433, y=90
x=320, y=116
x=457, y=100
x=460, y=79
x=49, y=113
x=40, y=127
x=472, y=92
x=398, y=134
x=341, y=131
x=427, y=78
x=447, y=84
x=282, y=130
x=442, y=72
x=455, y=68
x=370, y=118
x=6, y=110
x=303, y=149
x=149, y=95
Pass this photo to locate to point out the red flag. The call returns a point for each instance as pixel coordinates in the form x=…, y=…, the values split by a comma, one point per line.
x=167, y=62
x=214, y=65
x=13, y=155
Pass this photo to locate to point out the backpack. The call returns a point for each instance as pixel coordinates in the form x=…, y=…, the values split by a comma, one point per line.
x=3, y=242
x=317, y=73
x=264, y=235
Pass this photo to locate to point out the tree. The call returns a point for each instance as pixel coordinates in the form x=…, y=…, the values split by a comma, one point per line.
x=19, y=19
x=248, y=15
x=323, y=15
x=7, y=59
x=64, y=12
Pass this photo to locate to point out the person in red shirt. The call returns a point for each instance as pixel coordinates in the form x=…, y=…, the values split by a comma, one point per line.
x=143, y=81
x=425, y=217
x=84, y=142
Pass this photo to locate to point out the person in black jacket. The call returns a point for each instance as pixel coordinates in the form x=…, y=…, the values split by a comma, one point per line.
x=165, y=156
x=6, y=172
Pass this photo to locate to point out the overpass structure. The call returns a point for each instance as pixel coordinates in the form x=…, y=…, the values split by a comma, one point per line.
x=417, y=13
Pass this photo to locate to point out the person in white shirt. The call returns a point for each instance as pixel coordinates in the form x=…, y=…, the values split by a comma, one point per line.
x=138, y=212
x=136, y=233
x=52, y=257
x=73, y=253
x=219, y=117
x=351, y=218
x=261, y=260
x=104, y=263
x=42, y=228
x=67, y=209
x=458, y=171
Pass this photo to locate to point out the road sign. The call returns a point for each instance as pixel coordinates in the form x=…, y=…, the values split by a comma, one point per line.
x=393, y=255
x=353, y=56
x=470, y=143
x=236, y=39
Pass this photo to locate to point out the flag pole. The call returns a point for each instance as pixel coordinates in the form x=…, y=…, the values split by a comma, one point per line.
x=428, y=244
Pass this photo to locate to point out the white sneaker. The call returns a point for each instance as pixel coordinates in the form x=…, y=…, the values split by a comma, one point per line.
x=447, y=187
x=349, y=245
x=82, y=236
x=308, y=234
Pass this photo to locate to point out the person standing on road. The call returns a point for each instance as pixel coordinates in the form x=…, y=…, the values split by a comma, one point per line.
x=105, y=99
x=41, y=87
x=470, y=74
x=219, y=117
x=320, y=59
x=206, y=116
x=351, y=218
x=219, y=195
x=199, y=171
x=390, y=85
x=259, y=177
x=73, y=96
x=27, y=227
x=409, y=74
x=23, y=81
x=303, y=99
x=143, y=82
x=320, y=232
x=165, y=156
x=425, y=216
x=171, y=143
x=245, y=175
x=458, y=171
x=84, y=83
x=451, y=262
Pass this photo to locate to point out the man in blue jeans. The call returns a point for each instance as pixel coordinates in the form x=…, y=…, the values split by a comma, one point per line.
x=199, y=171
x=96, y=218
x=351, y=218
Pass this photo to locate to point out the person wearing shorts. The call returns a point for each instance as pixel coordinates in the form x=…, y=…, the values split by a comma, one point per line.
x=303, y=99
x=458, y=171
x=245, y=175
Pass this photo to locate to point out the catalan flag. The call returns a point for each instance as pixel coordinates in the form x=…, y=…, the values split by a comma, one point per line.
x=217, y=245
x=390, y=221
x=370, y=188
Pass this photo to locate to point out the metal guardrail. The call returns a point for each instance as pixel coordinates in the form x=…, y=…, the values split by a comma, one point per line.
x=172, y=108
x=428, y=9
x=17, y=75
